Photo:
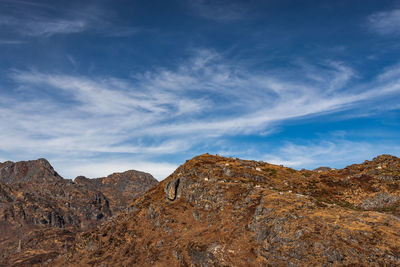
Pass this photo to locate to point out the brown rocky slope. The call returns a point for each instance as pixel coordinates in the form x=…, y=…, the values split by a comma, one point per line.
x=216, y=211
x=41, y=212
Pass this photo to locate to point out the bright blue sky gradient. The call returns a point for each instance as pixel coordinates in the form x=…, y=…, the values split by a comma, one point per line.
x=104, y=86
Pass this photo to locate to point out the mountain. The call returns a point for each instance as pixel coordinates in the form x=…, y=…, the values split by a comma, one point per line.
x=120, y=189
x=41, y=212
x=216, y=211
x=39, y=171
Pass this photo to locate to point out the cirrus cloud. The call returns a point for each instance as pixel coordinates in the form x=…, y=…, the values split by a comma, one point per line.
x=167, y=111
x=385, y=22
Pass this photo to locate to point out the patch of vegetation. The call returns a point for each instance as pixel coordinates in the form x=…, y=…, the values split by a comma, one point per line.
x=345, y=204
x=387, y=209
x=271, y=172
x=312, y=185
x=325, y=200
x=320, y=201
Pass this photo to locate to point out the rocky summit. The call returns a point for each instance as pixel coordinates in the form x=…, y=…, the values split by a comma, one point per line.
x=217, y=211
x=41, y=212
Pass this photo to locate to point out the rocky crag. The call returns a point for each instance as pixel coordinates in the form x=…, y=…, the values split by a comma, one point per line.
x=41, y=212
x=216, y=211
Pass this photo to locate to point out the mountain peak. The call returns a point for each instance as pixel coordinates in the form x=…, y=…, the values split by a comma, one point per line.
x=41, y=211
x=43, y=162
x=39, y=170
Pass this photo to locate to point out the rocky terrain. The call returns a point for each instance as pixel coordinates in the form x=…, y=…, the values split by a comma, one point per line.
x=216, y=211
x=120, y=189
x=41, y=212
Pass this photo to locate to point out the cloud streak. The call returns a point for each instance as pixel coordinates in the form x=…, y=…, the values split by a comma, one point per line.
x=50, y=20
x=43, y=27
x=168, y=111
x=385, y=22
x=53, y=27
x=333, y=153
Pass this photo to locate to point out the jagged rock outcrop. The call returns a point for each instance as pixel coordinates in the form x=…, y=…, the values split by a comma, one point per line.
x=171, y=189
x=36, y=202
x=323, y=169
x=216, y=211
x=119, y=188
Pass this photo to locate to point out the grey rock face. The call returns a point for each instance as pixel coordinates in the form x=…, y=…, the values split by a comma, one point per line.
x=381, y=200
x=171, y=189
x=388, y=178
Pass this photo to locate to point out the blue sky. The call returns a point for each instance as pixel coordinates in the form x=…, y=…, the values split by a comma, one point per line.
x=103, y=86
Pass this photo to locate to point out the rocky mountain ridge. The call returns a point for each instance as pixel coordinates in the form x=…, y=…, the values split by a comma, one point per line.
x=216, y=211
x=38, y=170
x=35, y=202
x=125, y=185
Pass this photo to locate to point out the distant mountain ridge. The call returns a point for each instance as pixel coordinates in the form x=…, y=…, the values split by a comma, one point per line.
x=34, y=197
x=120, y=188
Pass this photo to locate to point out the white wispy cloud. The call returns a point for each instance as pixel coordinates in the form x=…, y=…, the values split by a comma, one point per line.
x=198, y=90
x=45, y=20
x=333, y=153
x=169, y=111
x=52, y=27
x=385, y=22
x=39, y=26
